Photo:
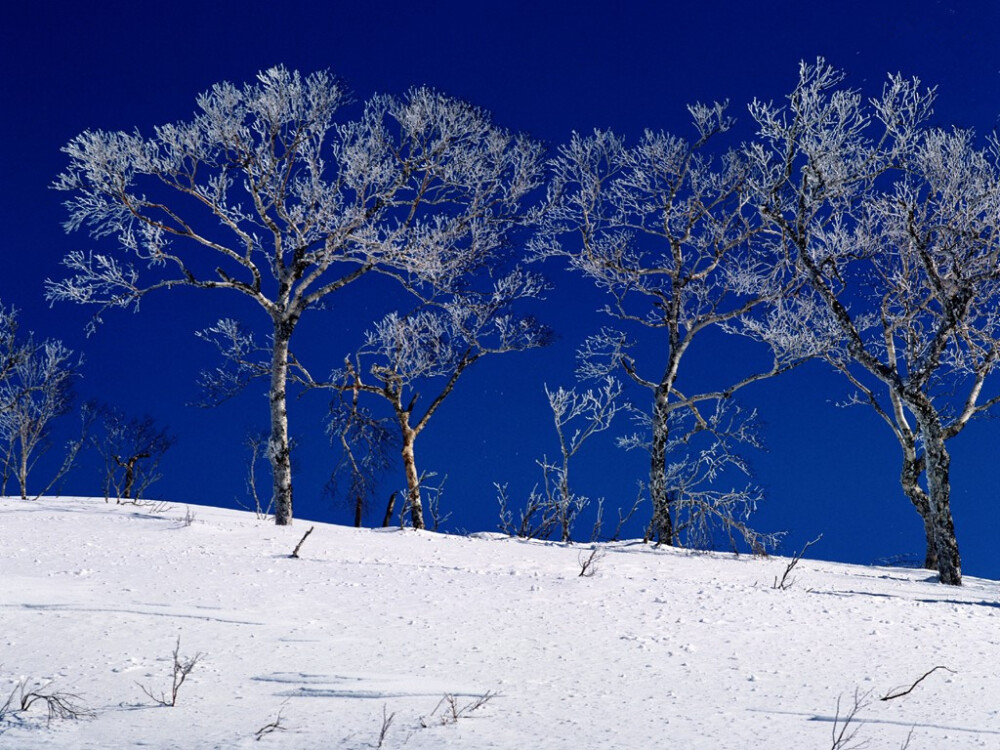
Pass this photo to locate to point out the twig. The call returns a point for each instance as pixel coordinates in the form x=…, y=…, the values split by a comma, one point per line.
x=785, y=584
x=274, y=726
x=893, y=696
x=845, y=728
x=588, y=565
x=386, y=723
x=295, y=552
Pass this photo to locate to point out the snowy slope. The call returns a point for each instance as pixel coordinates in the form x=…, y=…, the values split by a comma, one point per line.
x=660, y=648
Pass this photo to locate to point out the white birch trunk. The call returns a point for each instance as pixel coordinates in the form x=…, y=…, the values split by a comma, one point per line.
x=278, y=450
x=412, y=477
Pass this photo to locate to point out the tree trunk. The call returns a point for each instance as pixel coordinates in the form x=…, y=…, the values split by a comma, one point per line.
x=930, y=544
x=359, y=510
x=129, y=478
x=662, y=526
x=565, y=500
x=129, y=466
x=278, y=450
x=390, y=506
x=22, y=472
x=937, y=466
x=412, y=477
x=910, y=479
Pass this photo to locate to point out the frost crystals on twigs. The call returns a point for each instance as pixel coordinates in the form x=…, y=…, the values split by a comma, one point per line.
x=556, y=506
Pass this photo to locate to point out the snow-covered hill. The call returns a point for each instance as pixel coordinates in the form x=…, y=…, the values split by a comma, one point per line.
x=659, y=648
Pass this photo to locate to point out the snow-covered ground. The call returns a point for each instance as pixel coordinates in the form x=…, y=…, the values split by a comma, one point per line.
x=659, y=648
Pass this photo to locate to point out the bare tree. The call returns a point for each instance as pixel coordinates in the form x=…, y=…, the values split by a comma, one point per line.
x=11, y=345
x=895, y=228
x=37, y=389
x=428, y=351
x=669, y=232
x=131, y=448
x=262, y=193
x=12, y=351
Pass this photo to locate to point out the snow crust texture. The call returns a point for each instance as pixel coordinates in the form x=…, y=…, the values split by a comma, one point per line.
x=659, y=648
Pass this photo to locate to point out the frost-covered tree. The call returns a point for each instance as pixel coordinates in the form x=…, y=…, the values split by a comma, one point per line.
x=268, y=193
x=413, y=362
x=669, y=231
x=36, y=389
x=895, y=229
x=577, y=416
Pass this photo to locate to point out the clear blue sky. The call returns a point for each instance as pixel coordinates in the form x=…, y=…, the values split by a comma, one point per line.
x=543, y=67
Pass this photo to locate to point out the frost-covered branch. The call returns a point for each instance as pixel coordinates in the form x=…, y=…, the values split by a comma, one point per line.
x=577, y=416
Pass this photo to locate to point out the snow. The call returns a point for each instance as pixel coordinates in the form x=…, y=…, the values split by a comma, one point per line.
x=658, y=648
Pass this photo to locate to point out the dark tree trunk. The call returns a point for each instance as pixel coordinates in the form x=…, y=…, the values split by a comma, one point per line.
x=910, y=479
x=359, y=507
x=389, y=508
x=662, y=526
x=937, y=464
x=129, y=466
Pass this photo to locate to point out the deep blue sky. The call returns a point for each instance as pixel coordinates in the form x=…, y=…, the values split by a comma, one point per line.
x=543, y=67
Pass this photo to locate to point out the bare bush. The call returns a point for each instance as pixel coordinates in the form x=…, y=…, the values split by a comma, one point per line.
x=36, y=387
x=131, y=448
x=58, y=704
x=182, y=666
x=847, y=725
x=451, y=710
x=536, y=520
